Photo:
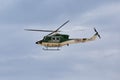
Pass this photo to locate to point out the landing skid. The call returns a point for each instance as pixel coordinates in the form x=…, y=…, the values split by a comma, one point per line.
x=51, y=49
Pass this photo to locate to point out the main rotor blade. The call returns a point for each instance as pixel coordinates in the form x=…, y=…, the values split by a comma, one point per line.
x=62, y=25
x=39, y=30
x=72, y=30
x=57, y=30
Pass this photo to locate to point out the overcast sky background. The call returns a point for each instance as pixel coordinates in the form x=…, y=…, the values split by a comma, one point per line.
x=22, y=59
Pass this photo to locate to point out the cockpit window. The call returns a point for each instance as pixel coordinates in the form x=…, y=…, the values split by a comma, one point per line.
x=44, y=38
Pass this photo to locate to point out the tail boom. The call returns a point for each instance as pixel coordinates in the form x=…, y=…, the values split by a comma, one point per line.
x=82, y=40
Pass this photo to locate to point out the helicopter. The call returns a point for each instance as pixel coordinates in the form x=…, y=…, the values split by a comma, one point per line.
x=55, y=40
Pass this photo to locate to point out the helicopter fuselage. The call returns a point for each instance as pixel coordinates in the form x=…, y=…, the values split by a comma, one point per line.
x=55, y=40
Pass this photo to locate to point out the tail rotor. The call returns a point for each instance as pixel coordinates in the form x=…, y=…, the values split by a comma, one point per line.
x=97, y=33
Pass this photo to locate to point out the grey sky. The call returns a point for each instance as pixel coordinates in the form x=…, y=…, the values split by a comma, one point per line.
x=22, y=59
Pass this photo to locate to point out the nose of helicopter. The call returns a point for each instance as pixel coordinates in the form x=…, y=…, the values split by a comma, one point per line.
x=39, y=42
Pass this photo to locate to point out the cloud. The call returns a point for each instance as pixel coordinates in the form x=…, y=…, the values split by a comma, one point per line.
x=103, y=11
x=102, y=14
x=43, y=11
x=5, y=4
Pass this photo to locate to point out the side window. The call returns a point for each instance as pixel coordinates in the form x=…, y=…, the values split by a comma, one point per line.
x=55, y=39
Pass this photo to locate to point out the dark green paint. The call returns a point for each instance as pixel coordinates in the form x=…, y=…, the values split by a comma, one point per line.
x=56, y=38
